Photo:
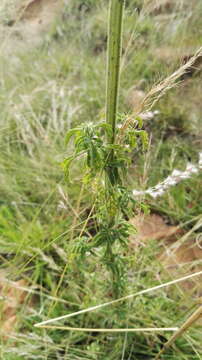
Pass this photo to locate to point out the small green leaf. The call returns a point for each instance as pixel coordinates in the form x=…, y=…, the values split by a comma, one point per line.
x=71, y=133
x=140, y=122
x=66, y=165
x=107, y=128
x=144, y=138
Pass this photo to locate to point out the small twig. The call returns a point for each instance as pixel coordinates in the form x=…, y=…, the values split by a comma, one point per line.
x=187, y=324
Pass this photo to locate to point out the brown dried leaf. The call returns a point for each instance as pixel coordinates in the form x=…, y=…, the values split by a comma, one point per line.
x=12, y=297
x=186, y=257
x=152, y=227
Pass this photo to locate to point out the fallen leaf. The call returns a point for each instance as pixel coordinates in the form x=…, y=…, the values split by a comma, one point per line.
x=177, y=262
x=186, y=257
x=12, y=297
x=152, y=227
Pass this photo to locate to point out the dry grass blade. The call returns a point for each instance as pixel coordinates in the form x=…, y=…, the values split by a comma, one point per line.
x=126, y=330
x=175, y=178
x=168, y=83
x=18, y=285
x=160, y=89
x=146, y=291
x=13, y=297
x=187, y=324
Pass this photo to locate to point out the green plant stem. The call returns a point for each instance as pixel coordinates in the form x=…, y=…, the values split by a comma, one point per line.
x=113, y=75
x=113, y=72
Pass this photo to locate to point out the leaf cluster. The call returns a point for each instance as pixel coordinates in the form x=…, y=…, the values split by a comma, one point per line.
x=107, y=163
x=90, y=144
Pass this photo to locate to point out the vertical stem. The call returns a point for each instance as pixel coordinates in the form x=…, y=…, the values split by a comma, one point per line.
x=113, y=70
x=113, y=74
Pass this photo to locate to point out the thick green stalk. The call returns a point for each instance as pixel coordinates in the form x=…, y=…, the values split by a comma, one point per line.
x=113, y=62
x=113, y=70
x=113, y=75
